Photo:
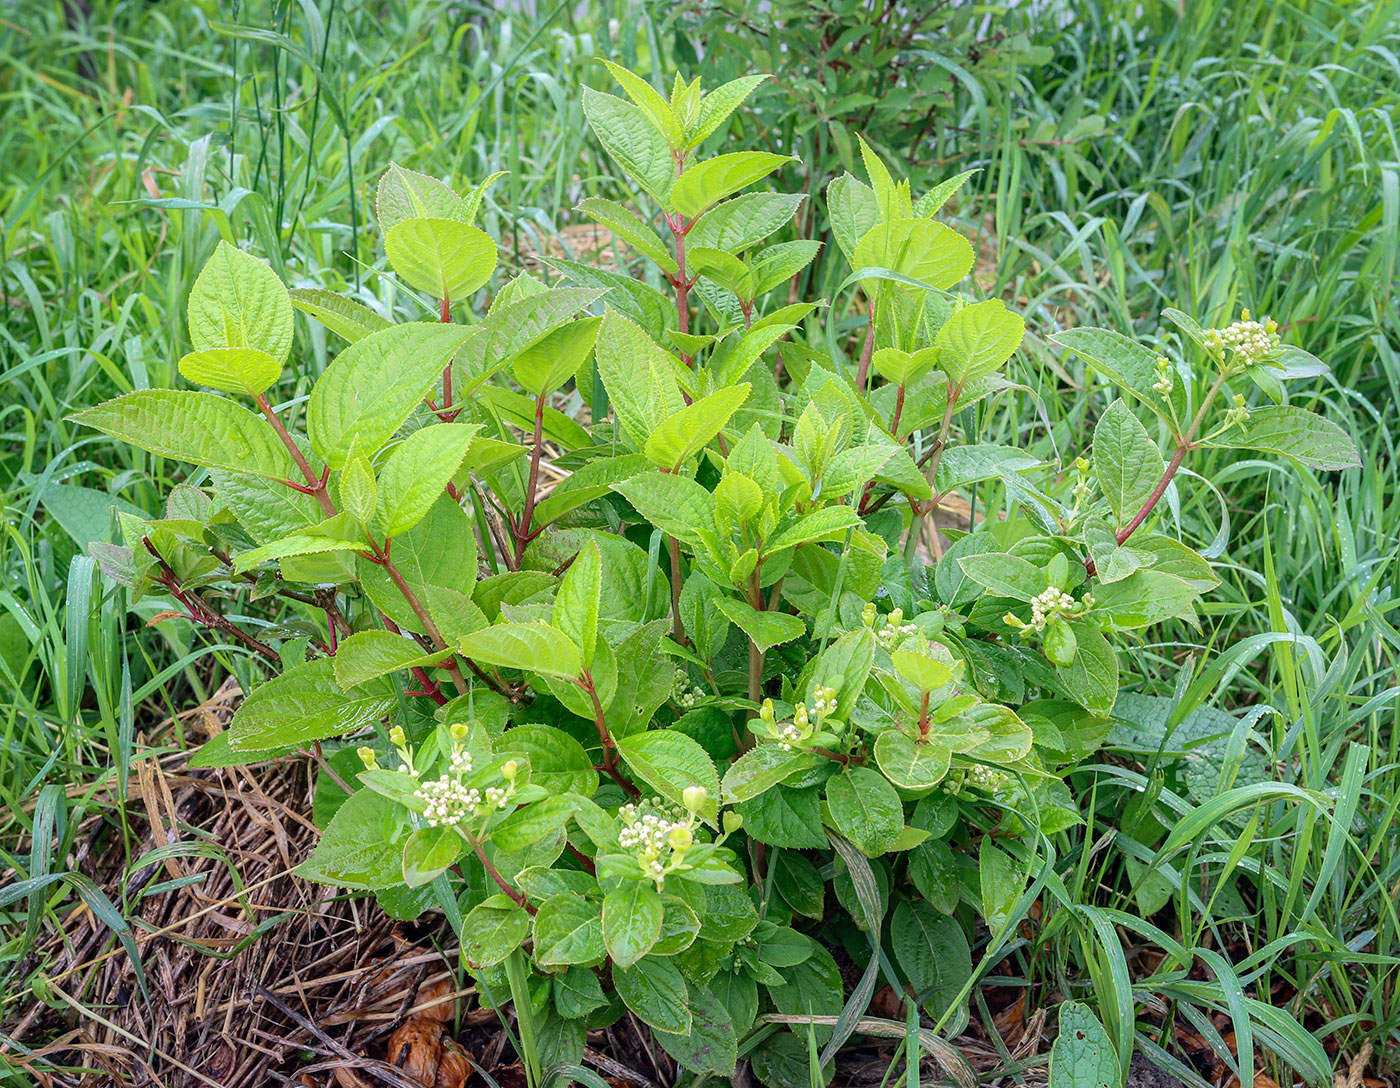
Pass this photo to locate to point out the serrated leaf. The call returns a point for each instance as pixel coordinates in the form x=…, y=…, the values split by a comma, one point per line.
x=865, y=809
x=417, y=471
x=372, y=386
x=304, y=704
x=760, y=769
x=918, y=248
x=533, y=647
x=443, y=257
x=627, y=226
x=239, y=302
x=711, y=180
x=568, y=930
x=232, y=370
x=632, y=141
x=909, y=764
x=1005, y=575
x=198, y=428
x=676, y=505
x=765, y=629
x=1124, y=362
x=638, y=376
x=976, y=340
x=1294, y=433
x=718, y=104
x=654, y=989
x=669, y=762
x=576, y=603
x=362, y=846
x=1126, y=460
x=492, y=930
x=854, y=212
x=828, y=523
x=680, y=437
x=734, y=225
x=632, y=917
x=348, y=319
x=368, y=655
x=406, y=194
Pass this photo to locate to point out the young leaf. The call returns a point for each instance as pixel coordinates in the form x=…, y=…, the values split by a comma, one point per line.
x=232, y=370
x=239, y=302
x=305, y=704
x=680, y=437
x=627, y=226
x=429, y=852
x=918, y=248
x=760, y=769
x=711, y=180
x=407, y=194
x=533, y=647
x=1128, y=463
x=909, y=764
x=417, y=471
x=1124, y=362
x=650, y=101
x=765, y=629
x=1005, y=575
x=445, y=258
x=735, y=225
x=718, y=104
x=854, y=212
x=372, y=386
x=977, y=340
x=198, y=428
x=632, y=141
x=576, y=604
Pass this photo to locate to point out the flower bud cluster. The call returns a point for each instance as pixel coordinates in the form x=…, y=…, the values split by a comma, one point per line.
x=806, y=727
x=683, y=693
x=893, y=631
x=986, y=778
x=1238, y=414
x=658, y=834
x=1247, y=340
x=1049, y=605
x=1164, y=383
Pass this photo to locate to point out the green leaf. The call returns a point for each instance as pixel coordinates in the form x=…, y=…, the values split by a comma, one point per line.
x=372, y=386
x=1126, y=363
x=349, y=320
x=654, y=989
x=977, y=340
x=510, y=330
x=828, y=523
x=760, y=769
x=417, y=471
x=712, y=1045
x=305, y=704
x=577, y=992
x=780, y=816
x=557, y=760
x=711, y=180
x=765, y=629
x=437, y=561
x=492, y=930
x=1143, y=598
x=534, y=822
x=294, y=545
x=626, y=225
x=631, y=921
x=918, y=248
x=735, y=225
x=232, y=370
x=1128, y=463
x=568, y=930
x=429, y=852
x=632, y=141
x=669, y=762
x=812, y=988
x=909, y=764
x=533, y=647
x=681, y=436
x=557, y=356
x=1083, y=1056
x=638, y=376
x=576, y=603
x=1002, y=881
x=368, y=655
x=1005, y=575
x=239, y=302
x=676, y=505
x=718, y=104
x=198, y=428
x=443, y=257
x=1294, y=433
x=930, y=203
x=650, y=101
x=932, y=951
x=854, y=212
x=361, y=847
x=407, y=194
x=865, y=809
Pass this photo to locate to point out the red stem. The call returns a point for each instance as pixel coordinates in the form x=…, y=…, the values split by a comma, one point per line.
x=316, y=485
x=604, y=737
x=522, y=531
x=867, y=352
x=495, y=875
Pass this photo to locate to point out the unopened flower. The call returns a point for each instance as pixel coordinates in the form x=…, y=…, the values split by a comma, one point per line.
x=367, y=757
x=1246, y=340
